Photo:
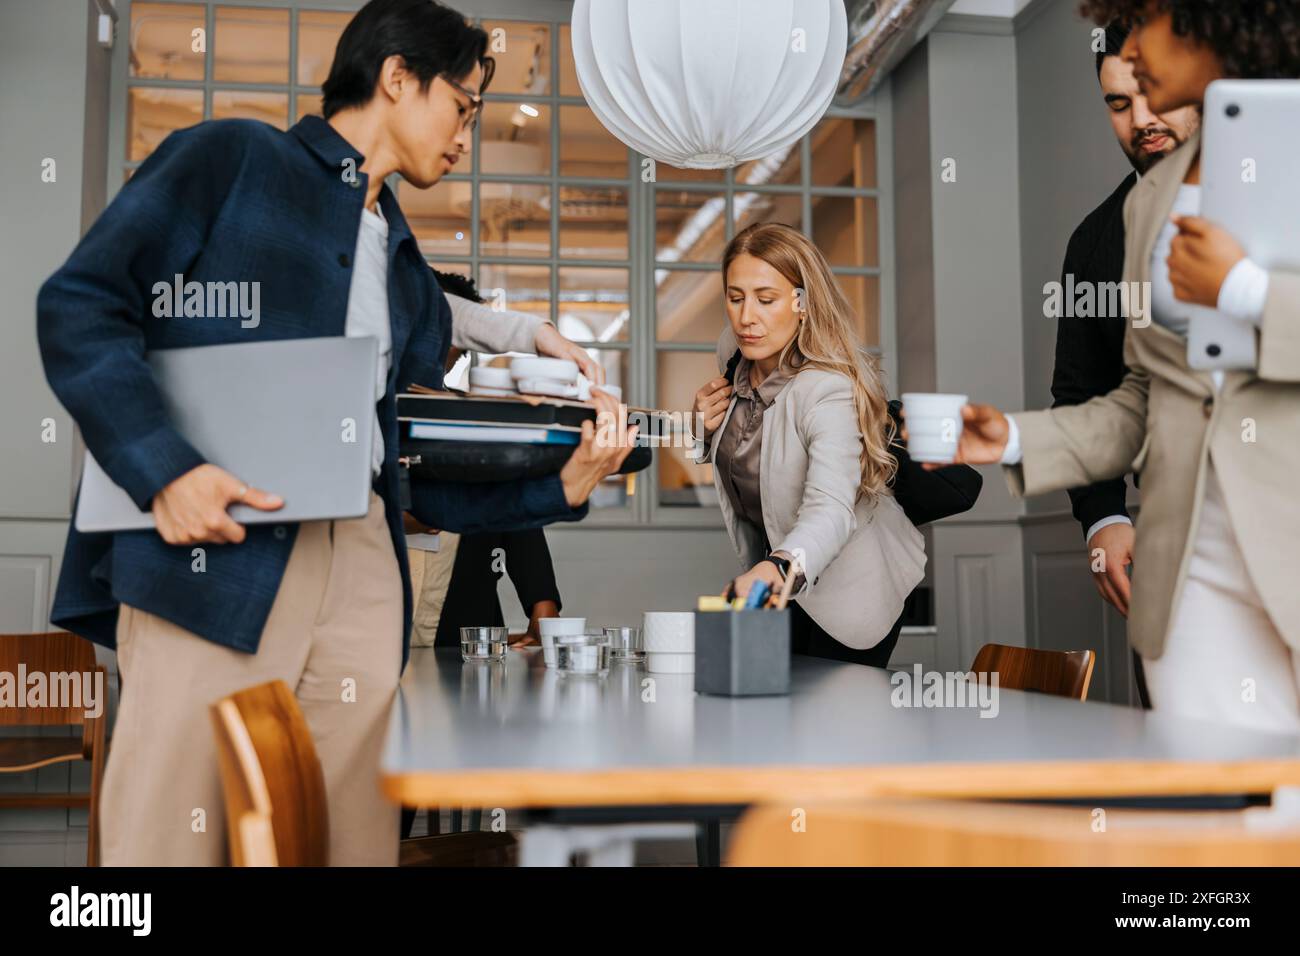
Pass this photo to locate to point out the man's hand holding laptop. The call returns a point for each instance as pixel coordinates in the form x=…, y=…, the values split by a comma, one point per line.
x=192, y=509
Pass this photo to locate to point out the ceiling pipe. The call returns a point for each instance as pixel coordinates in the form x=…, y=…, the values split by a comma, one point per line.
x=881, y=34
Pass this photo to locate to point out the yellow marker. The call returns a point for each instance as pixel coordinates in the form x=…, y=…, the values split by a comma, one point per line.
x=712, y=602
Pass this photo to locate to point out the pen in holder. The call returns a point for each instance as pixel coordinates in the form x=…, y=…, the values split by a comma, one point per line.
x=795, y=567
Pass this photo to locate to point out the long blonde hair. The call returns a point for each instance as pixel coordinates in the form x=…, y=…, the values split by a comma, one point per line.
x=825, y=339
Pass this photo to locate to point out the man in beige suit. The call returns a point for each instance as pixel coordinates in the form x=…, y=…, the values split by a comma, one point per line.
x=1216, y=607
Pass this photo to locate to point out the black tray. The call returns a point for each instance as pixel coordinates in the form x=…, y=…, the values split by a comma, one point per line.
x=446, y=460
x=442, y=460
x=450, y=406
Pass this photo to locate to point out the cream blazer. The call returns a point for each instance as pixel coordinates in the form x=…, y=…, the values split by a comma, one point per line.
x=1166, y=423
x=862, y=559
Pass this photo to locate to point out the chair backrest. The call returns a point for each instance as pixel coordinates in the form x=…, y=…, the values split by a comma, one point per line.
x=943, y=833
x=55, y=669
x=1061, y=673
x=276, y=811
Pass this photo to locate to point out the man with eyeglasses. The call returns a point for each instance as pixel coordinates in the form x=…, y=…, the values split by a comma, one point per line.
x=324, y=606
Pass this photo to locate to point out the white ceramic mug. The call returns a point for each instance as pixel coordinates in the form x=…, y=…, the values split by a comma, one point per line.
x=666, y=662
x=552, y=627
x=933, y=424
x=672, y=632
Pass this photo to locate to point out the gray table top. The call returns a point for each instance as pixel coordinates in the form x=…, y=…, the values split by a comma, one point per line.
x=521, y=734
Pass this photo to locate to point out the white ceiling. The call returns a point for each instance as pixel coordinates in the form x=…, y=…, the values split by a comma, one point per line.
x=990, y=8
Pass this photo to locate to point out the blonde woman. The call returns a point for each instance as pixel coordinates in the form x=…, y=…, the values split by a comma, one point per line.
x=801, y=451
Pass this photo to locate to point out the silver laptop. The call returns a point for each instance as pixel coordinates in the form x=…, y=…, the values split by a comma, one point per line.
x=294, y=418
x=1249, y=187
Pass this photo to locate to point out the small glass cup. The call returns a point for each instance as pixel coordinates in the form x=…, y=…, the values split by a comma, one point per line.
x=625, y=644
x=582, y=655
x=483, y=643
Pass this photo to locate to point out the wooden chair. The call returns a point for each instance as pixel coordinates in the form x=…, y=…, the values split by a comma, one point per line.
x=1061, y=673
x=276, y=806
x=943, y=833
x=55, y=652
x=276, y=814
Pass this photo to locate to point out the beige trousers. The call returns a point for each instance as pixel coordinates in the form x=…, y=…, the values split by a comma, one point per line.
x=336, y=624
x=430, y=578
x=1225, y=661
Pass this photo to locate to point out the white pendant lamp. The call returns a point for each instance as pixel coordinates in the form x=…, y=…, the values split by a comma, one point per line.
x=705, y=84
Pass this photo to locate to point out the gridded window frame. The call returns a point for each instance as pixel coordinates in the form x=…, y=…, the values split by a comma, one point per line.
x=642, y=347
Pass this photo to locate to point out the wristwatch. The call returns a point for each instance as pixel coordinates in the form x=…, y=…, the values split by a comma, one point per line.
x=782, y=565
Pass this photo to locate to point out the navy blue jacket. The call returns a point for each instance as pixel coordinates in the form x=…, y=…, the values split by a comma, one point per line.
x=235, y=201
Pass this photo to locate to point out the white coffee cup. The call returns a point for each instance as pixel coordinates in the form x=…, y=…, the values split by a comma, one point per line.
x=553, y=627
x=933, y=424
x=670, y=632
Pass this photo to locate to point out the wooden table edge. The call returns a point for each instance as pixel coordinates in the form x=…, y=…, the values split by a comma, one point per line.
x=734, y=786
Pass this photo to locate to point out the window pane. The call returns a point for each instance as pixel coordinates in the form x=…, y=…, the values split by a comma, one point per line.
x=514, y=219
x=749, y=208
x=689, y=306
x=844, y=153
x=514, y=143
x=520, y=288
x=689, y=226
x=251, y=46
x=864, y=295
x=438, y=216
x=523, y=55
x=779, y=169
x=318, y=35
x=308, y=105
x=587, y=149
x=162, y=41
x=846, y=231
x=152, y=113
x=270, y=108
x=569, y=85
x=682, y=482
x=593, y=304
x=593, y=222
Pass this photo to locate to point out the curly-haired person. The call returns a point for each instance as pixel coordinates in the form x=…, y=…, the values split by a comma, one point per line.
x=1215, y=612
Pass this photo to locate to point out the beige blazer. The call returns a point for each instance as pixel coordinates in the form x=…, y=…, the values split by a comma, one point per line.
x=1165, y=422
x=862, y=559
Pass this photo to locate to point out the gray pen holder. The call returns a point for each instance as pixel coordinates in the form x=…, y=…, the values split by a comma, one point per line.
x=742, y=653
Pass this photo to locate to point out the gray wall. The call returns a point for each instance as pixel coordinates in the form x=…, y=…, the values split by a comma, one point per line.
x=53, y=103
x=1069, y=163
x=959, y=307
x=1015, y=104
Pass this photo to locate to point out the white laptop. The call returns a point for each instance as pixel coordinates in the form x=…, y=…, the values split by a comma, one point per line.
x=294, y=418
x=1250, y=187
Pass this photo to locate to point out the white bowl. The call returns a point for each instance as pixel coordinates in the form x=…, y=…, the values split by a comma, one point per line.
x=546, y=386
x=562, y=371
x=491, y=377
